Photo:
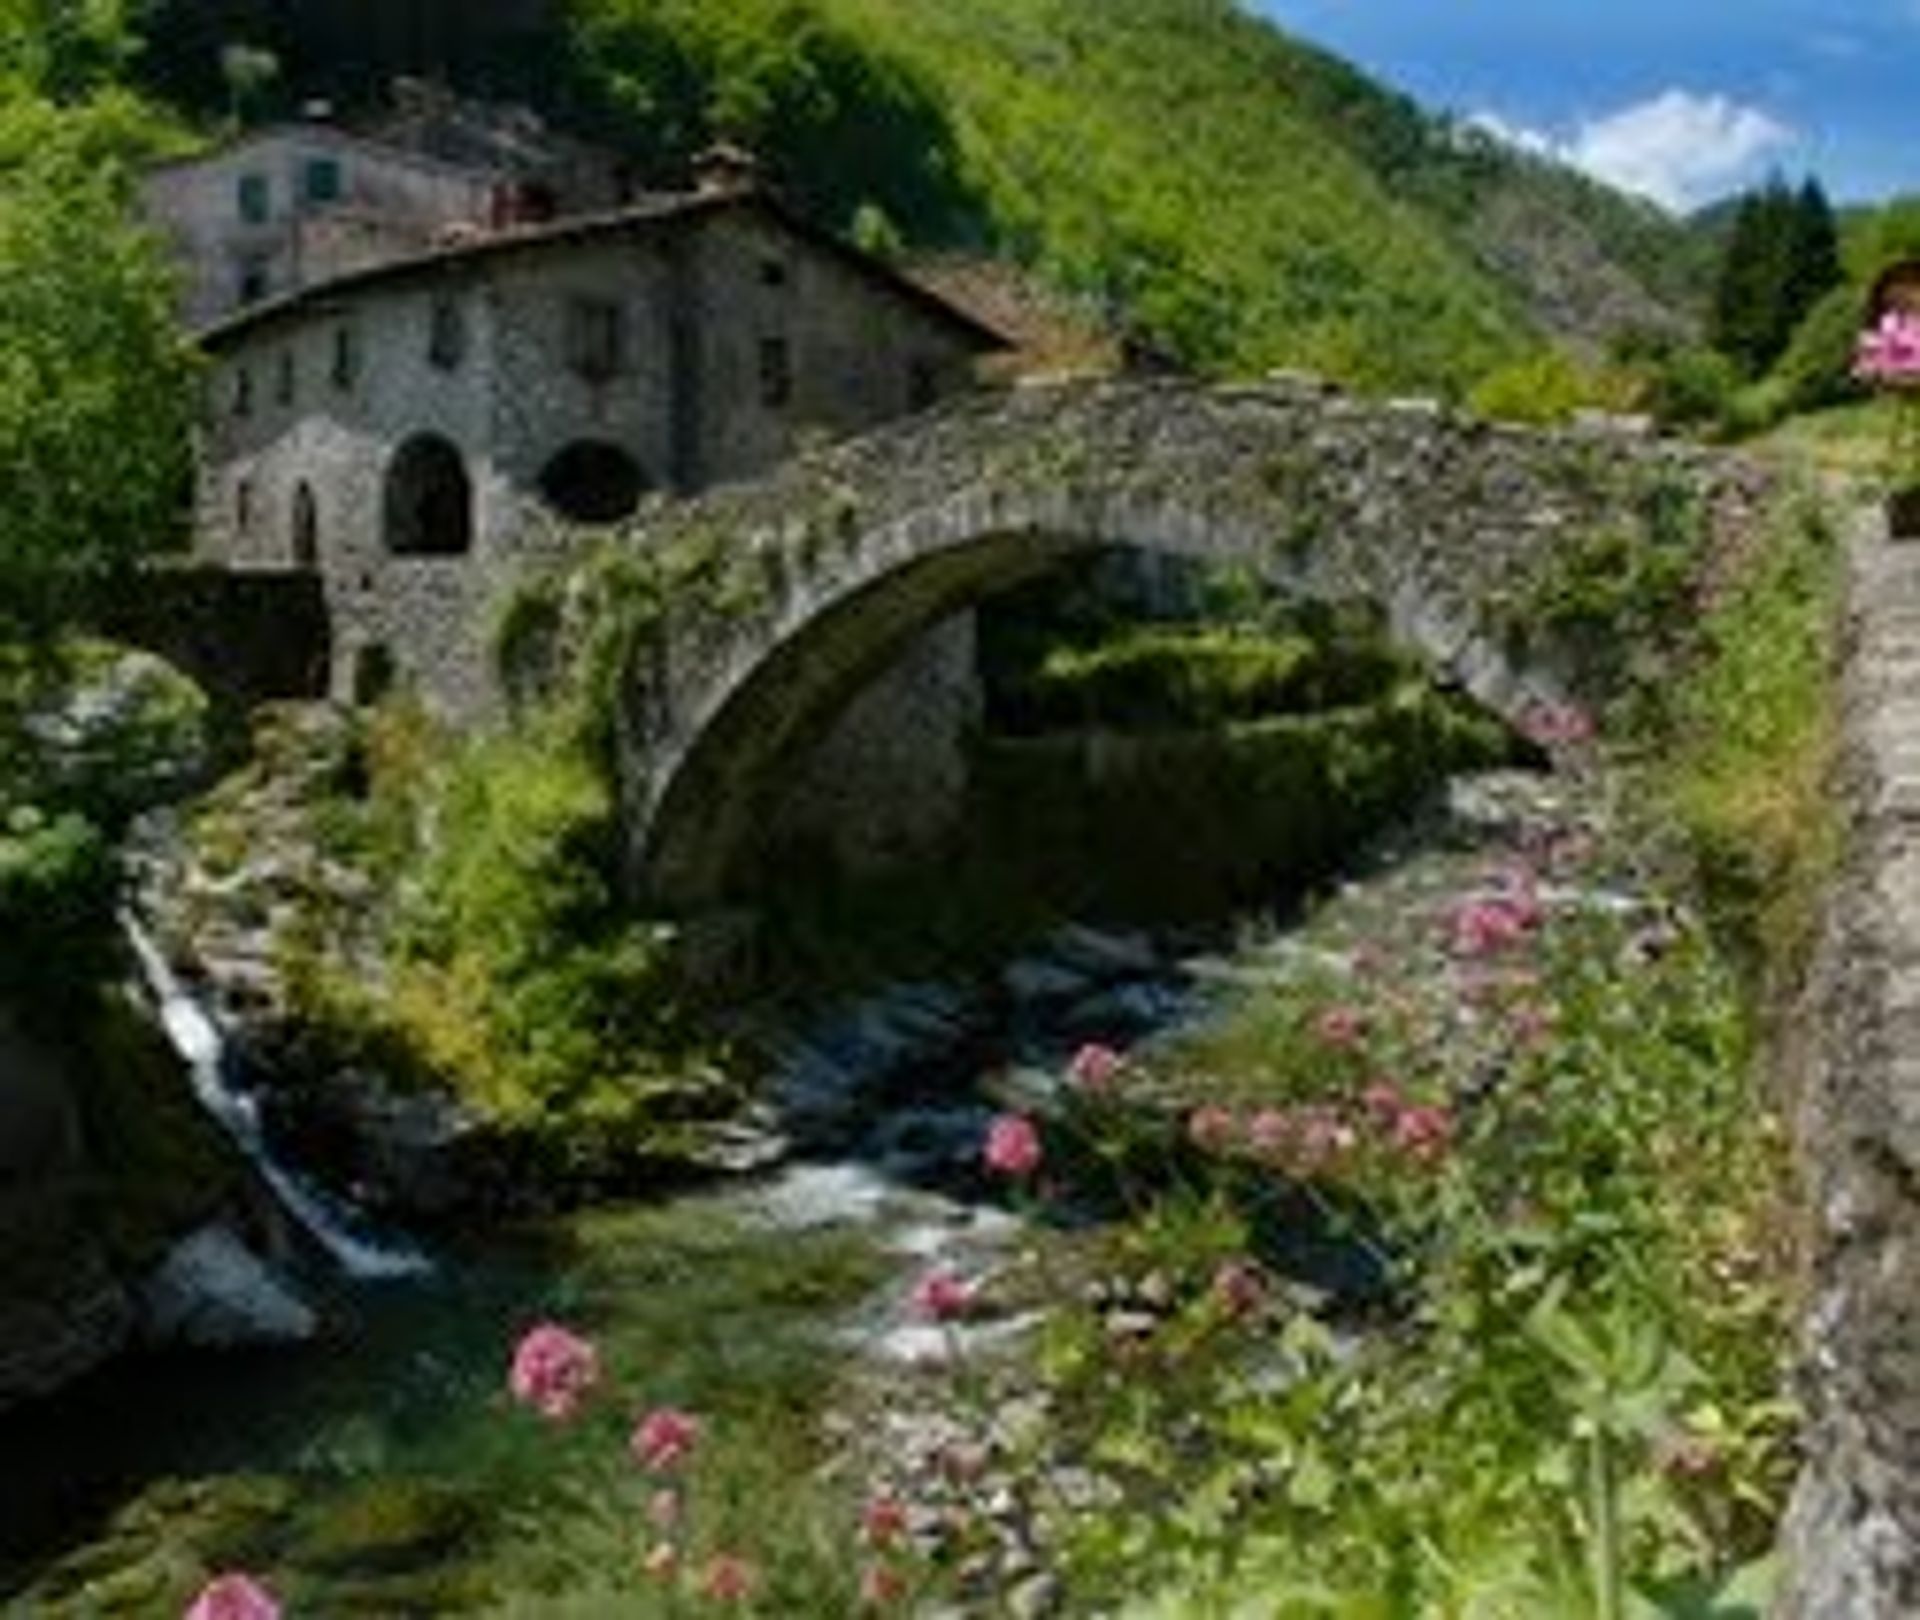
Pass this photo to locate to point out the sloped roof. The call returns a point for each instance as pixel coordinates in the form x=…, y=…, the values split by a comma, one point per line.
x=651, y=217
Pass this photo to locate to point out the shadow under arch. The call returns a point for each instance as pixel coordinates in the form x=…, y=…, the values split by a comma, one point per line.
x=763, y=705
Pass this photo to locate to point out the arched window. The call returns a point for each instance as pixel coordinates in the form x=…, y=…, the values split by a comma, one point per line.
x=305, y=528
x=593, y=482
x=429, y=500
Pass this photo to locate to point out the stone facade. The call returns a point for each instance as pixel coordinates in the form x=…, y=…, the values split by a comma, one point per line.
x=826, y=572
x=410, y=432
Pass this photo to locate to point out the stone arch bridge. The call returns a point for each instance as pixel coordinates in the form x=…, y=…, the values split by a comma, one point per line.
x=768, y=605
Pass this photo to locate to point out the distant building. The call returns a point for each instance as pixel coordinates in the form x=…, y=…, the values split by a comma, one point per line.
x=285, y=207
x=403, y=427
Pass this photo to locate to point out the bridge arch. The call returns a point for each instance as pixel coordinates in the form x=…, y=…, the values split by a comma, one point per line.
x=788, y=596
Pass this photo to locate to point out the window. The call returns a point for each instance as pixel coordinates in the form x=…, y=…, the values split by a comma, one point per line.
x=243, y=392
x=447, y=332
x=923, y=384
x=256, y=279
x=255, y=198
x=776, y=373
x=345, y=369
x=591, y=481
x=323, y=180
x=773, y=273
x=286, y=384
x=595, y=337
x=243, y=506
x=305, y=526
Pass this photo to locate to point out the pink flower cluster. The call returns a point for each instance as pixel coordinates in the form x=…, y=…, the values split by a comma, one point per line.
x=943, y=1296
x=664, y=1439
x=234, y=1597
x=1888, y=352
x=1342, y=1028
x=1487, y=925
x=1012, y=1147
x=1557, y=725
x=553, y=1371
x=1094, y=1070
x=1310, y=1140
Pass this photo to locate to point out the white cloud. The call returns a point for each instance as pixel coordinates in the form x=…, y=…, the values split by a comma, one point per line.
x=1679, y=148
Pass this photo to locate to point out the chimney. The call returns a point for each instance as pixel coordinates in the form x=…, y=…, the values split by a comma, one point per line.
x=725, y=170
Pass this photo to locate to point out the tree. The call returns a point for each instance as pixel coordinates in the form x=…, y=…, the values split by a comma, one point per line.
x=94, y=376
x=1782, y=257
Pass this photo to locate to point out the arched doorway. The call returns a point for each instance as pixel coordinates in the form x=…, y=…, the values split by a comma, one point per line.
x=429, y=500
x=305, y=528
x=591, y=481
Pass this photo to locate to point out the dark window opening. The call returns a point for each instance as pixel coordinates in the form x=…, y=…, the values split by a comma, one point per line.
x=243, y=506
x=243, y=392
x=373, y=673
x=256, y=280
x=593, y=482
x=923, y=384
x=287, y=383
x=255, y=198
x=776, y=373
x=429, y=500
x=346, y=358
x=305, y=528
x=773, y=273
x=596, y=337
x=323, y=180
x=447, y=332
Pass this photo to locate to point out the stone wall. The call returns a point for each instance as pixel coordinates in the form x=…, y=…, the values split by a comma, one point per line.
x=1852, y=1539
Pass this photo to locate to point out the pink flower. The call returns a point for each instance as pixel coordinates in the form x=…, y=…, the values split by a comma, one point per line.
x=1093, y=1069
x=1322, y=1137
x=881, y=1586
x=1239, y=1287
x=1557, y=725
x=727, y=1579
x=234, y=1597
x=553, y=1370
x=1384, y=1103
x=663, y=1509
x=1213, y=1129
x=1485, y=927
x=883, y=1521
x=1013, y=1146
x=1424, y=1133
x=942, y=1296
x=1888, y=352
x=1341, y=1027
x=664, y=1439
x=1270, y=1133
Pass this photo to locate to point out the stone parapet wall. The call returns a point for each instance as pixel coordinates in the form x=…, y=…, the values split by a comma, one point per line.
x=1852, y=1539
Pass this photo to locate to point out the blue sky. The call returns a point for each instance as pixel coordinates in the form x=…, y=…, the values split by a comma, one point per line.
x=1683, y=100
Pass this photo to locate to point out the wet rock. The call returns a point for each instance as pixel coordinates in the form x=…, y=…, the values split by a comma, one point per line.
x=1102, y=955
x=1038, y=979
x=213, y=1292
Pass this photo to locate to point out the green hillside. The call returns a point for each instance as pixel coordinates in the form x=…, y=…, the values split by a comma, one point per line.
x=1249, y=200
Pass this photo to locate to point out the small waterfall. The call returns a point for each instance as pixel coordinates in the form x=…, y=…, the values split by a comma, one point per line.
x=195, y=1035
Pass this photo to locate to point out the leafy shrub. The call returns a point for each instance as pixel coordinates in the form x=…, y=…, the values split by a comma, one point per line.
x=58, y=883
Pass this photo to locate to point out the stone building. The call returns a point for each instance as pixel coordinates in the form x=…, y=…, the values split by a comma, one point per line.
x=409, y=430
x=288, y=206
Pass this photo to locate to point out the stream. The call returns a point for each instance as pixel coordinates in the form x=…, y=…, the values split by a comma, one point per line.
x=381, y=1470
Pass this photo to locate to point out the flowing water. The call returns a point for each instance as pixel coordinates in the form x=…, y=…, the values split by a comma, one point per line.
x=380, y=1470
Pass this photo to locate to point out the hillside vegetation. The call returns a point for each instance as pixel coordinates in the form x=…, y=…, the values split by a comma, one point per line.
x=1247, y=200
